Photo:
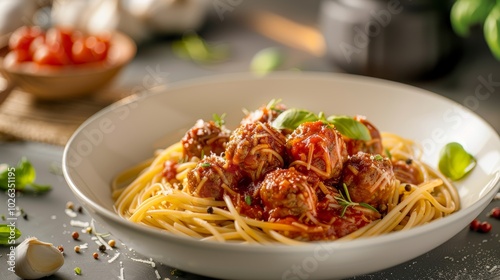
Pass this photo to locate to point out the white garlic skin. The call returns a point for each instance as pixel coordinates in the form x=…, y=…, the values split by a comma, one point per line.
x=36, y=259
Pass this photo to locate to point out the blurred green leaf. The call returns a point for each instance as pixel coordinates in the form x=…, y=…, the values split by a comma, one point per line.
x=492, y=31
x=195, y=48
x=466, y=13
x=266, y=60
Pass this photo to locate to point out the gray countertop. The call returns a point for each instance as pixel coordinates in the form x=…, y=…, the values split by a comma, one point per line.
x=468, y=255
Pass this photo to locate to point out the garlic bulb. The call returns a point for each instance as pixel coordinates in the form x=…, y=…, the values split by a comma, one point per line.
x=36, y=259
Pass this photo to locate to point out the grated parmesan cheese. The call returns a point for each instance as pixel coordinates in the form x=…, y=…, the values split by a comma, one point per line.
x=70, y=213
x=77, y=223
x=144, y=261
x=114, y=257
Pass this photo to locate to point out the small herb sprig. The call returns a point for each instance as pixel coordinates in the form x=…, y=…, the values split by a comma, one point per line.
x=345, y=201
x=219, y=120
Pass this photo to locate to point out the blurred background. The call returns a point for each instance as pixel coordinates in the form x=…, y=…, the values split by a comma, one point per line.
x=165, y=42
x=402, y=40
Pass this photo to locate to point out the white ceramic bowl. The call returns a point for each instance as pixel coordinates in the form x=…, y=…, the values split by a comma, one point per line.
x=128, y=132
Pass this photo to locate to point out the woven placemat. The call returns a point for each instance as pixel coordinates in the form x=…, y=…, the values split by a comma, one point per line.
x=23, y=117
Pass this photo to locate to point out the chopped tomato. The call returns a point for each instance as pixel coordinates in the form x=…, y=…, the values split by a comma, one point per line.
x=23, y=36
x=18, y=56
x=61, y=36
x=89, y=49
x=36, y=44
x=57, y=46
x=81, y=53
x=50, y=55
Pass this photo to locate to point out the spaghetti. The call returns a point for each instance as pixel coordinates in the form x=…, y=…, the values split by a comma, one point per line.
x=272, y=186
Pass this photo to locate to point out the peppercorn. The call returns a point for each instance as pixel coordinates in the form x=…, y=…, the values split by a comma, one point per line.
x=60, y=248
x=407, y=187
x=210, y=210
x=102, y=248
x=409, y=161
x=495, y=213
x=77, y=249
x=112, y=243
x=475, y=224
x=485, y=227
x=95, y=255
x=75, y=235
x=70, y=205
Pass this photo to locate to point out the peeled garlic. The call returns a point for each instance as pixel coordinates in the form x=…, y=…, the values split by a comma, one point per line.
x=36, y=259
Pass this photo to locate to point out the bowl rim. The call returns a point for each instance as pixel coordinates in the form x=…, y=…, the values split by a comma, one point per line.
x=493, y=185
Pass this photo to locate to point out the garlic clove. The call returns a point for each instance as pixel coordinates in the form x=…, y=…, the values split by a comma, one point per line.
x=36, y=259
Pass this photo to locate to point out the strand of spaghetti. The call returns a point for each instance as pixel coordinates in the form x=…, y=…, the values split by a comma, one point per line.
x=210, y=228
x=227, y=236
x=137, y=184
x=429, y=213
x=168, y=226
x=166, y=153
x=256, y=223
x=393, y=218
x=141, y=211
x=245, y=236
x=176, y=197
x=437, y=205
x=421, y=209
x=238, y=218
x=184, y=214
x=407, y=202
x=186, y=230
x=453, y=191
x=150, y=191
x=411, y=221
x=283, y=239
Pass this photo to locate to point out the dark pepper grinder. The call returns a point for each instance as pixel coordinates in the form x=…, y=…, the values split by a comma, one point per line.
x=390, y=39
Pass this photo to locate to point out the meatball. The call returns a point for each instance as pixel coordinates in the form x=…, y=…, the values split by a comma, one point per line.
x=372, y=146
x=286, y=192
x=210, y=178
x=265, y=114
x=406, y=172
x=369, y=179
x=205, y=138
x=317, y=149
x=256, y=148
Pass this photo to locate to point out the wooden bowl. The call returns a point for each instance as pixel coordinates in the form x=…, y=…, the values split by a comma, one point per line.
x=66, y=82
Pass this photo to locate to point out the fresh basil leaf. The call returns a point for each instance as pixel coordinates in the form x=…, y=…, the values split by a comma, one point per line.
x=25, y=176
x=292, y=118
x=455, y=162
x=38, y=188
x=350, y=127
x=5, y=234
